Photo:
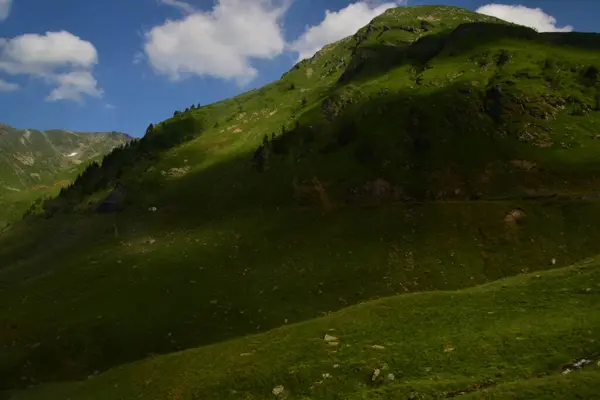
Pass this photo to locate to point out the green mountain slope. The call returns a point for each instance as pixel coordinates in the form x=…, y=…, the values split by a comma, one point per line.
x=514, y=337
x=34, y=163
x=436, y=149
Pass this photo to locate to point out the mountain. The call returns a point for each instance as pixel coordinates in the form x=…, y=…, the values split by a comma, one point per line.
x=36, y=162
x=436, y=150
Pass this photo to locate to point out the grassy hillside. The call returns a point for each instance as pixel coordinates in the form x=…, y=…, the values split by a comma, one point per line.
x=35, y=164
x=510, y=339
x=436, y=149
x=435, y=112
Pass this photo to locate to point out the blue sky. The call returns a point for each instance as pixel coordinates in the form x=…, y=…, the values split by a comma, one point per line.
x=121, y=64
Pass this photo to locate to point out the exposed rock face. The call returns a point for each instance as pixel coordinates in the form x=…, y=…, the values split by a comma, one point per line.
x=514, y=217
x=315, y=192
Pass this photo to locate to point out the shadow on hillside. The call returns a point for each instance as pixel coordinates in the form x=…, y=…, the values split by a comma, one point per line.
x=582, y=40
x=373, y=60
x=232, y=256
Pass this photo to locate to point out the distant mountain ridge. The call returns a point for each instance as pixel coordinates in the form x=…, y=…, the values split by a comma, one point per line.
x=34, y=162
x=30, y=157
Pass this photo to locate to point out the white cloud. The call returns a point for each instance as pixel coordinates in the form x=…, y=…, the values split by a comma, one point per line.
x=219, y=43
x=60, y=58
x=338, y=25
x=534, y=18
x=109, y=106
x=4, y=9
x=8, y=86
x=72, y=85
x=181, y=5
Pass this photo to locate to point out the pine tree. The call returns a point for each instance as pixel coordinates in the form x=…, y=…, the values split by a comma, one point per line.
x=261, y=159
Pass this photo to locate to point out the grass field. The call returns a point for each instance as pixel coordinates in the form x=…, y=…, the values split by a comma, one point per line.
x=513, y=337
x=416, y=159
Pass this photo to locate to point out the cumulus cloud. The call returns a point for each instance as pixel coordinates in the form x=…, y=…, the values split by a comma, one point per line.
x=220, y=43
x=8, y=86
x=73, y=85
x=60, y=58
x=4, y=9
x=338, y=25
x=534, y=18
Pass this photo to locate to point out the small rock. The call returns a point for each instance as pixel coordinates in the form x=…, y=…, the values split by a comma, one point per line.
x=376, y=374
x=326, y=375
x=576, y=365
x=333, y=343
x=245, y=354
x=151, y=241
x=581, y=363
x=330, y=338
x=277, y=390
x=377, y=347
x=213, y=302
x=153, y=209
x=448, y=349
x=553, y=261
x=391, y=377
x=338, y=365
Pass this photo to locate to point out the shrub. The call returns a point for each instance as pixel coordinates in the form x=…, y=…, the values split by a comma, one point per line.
x=503, y=58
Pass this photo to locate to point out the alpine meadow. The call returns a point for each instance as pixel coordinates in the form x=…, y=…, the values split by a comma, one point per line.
x=411, y=213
